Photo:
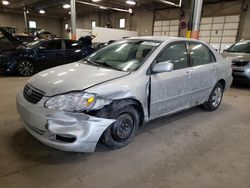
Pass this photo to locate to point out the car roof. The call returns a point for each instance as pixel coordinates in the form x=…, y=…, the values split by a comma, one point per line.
x=243, y=40
x=163, y=38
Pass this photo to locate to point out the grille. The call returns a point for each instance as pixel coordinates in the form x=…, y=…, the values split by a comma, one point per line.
x=240, y=63
x=32, y=94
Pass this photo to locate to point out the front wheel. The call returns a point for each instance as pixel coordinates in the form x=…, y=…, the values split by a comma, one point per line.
x=121, y=132
x=25, y=68
x=215, y=98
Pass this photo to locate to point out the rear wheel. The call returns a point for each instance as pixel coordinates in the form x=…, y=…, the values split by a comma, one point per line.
x=121, y=132
x=215, y=98
x=25, y=68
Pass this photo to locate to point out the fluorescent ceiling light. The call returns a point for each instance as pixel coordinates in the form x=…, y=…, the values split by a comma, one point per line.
x=102, y=7
x=42, y=11
x=131, y=2
x=96, y=5
x=171, y=3
x=66, y=6
x=5, y=2
x=96, y=1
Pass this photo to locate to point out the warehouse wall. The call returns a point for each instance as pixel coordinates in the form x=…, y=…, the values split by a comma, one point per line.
x=244, y=31
x=17, y=20
x=141, y=21
x=211, y=10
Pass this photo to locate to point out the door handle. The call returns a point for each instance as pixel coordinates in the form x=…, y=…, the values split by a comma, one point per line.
x=214, y=68
x=188, y=74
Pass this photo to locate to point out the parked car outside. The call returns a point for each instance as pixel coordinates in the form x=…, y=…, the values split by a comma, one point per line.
x=38, y=55
x=239, y=55
x=120, y=87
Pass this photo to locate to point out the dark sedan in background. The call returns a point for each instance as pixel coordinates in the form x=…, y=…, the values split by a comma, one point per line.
x=28, y=59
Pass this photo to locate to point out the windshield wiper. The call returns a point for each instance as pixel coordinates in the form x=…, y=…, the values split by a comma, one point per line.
x=91, y=62
x=105, y=64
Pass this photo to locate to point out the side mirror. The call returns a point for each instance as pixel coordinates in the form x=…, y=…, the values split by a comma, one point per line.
x=163, y=67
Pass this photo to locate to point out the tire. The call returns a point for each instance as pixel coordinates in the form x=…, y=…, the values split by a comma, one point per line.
x=25, y=68
x=121, y=132
x=215, y=98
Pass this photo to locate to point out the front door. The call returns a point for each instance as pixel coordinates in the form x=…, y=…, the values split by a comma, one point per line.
x=170, y=90
x=73, y=51
x=50, y=54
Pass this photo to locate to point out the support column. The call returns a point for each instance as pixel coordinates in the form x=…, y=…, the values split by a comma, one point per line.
x=196, y=19
x=73, y=19
x=25, y=20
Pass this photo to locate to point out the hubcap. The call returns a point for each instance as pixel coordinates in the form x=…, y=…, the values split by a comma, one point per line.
x=26, y=68
x=122, y=128
x=217, y=96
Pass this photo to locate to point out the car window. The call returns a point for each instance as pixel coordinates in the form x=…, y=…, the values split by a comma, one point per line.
x=126, y=55
x=241, y=47
x=176, y=54
x=52, y=45
x=71, y=45
x=200, y=54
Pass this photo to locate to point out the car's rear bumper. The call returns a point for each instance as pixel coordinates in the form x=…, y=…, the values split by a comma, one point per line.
x=76, y=132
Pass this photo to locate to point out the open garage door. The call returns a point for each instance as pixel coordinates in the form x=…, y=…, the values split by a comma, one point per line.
x=220, y=32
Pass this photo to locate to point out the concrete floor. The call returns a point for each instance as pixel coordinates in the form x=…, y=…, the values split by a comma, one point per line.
x=194, y=148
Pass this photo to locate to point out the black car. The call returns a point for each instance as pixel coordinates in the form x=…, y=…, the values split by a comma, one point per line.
x=28, y=59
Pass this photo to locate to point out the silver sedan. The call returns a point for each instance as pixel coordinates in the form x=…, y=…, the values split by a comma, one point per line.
x=120, y=87
x=239, y=55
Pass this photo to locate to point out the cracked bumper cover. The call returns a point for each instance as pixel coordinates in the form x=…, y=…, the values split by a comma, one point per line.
x=76, y=132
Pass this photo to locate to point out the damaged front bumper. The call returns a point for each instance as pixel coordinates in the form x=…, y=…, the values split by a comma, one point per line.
x=76, y=132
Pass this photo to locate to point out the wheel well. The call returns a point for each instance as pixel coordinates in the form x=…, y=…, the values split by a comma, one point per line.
x=24, y=59
x=129, y=101
x=223, y=83
x=117, y=104
x=138, y=106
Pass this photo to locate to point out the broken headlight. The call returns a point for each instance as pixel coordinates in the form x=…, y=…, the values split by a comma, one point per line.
x=71, y=102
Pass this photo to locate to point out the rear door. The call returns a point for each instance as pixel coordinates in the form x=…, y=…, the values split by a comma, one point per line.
x=204, y=75
x=50, y=54
x=170, y=90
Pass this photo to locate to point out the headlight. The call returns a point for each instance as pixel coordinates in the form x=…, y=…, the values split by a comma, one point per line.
x=71, y=102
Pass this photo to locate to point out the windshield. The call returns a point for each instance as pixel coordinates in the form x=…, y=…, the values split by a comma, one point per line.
x=127, y=55
x=241, y=47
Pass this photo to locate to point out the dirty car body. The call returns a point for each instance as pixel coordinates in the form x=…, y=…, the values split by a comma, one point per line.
x=120, y=87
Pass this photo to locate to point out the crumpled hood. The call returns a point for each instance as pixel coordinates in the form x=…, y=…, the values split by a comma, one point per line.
x=72, y=77
x=11, y=37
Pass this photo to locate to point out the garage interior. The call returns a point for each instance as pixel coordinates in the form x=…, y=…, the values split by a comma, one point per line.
x=193, y=148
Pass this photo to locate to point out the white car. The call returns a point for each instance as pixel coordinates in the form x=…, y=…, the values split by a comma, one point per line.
x=120, y=87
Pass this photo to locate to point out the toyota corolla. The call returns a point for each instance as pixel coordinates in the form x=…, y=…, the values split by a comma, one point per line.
x=115, y=90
